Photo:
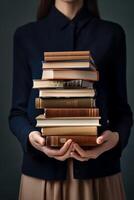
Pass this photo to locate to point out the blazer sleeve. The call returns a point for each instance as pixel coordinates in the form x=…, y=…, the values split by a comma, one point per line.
x=120, y=113
x=19, y=122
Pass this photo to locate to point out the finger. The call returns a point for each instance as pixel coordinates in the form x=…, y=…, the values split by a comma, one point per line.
x=77, y=157
x=104, y=137
x=80, y=150
x=105, y=146
x=36, y=145
x=57, y=152
x=93, y=153
x=65, y=147
x=96, y=151
x=66, y=155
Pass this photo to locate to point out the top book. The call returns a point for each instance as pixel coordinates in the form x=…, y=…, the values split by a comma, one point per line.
x=67, y=53
x=68, y=56
x=69, y=65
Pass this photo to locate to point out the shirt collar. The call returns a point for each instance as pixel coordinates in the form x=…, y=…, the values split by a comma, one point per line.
x=61, y=21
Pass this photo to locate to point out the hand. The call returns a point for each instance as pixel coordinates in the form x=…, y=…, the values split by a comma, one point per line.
x=38, y=142
x=106, y=141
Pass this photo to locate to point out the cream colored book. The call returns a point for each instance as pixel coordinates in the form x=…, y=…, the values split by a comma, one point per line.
x=38, y=83
x=45, y=122
x=66, y=93
x=50, y=74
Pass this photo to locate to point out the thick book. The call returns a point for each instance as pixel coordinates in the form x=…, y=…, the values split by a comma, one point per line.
x=83, y=102
x=68, y=65
x=58, y=141
x=67, y=93
x=66, y=53
x=69, y=130
x=39, y=83
x=71, y=112
x=50, y=74
x=69, y=56
x=42, y=121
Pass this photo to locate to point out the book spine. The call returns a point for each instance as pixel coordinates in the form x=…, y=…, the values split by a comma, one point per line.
x=66, y=53
x=66, y=130
x=37, y=84
x=72, y=112
x=58, y=141
x=61, y=58
x=65, y=65
x=69, y=84
x=41, y=103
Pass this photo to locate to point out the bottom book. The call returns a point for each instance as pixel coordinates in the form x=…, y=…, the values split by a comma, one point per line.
x=58, y=141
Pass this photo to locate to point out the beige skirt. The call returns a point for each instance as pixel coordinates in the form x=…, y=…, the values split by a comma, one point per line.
x=106, y=188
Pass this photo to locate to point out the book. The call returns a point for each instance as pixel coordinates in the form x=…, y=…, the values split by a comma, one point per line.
x=37, y=84
x=50, y=74
x=69, y=58
x=66, y=53
x=69, y=130
x=72, y=56
x=67, y=93
x=42, y=121
x=58, y=141
x=77, y=102
x=68, y=65
x=47, y=84
x=71, y=112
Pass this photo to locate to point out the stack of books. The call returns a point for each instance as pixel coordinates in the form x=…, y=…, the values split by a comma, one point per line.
x=67, y=97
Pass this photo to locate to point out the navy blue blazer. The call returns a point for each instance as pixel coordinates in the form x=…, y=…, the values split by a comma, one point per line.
x=56, y=32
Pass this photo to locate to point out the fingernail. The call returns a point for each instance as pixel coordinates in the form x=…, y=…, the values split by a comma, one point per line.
x=71, y=153
x=100, y=140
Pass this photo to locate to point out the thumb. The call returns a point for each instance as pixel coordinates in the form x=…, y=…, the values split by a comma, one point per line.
x=39, y=139
x=104, y=137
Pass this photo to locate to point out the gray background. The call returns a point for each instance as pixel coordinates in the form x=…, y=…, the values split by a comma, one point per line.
x=14, y=13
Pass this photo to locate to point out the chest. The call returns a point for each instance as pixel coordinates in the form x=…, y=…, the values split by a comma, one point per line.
x=70, y=38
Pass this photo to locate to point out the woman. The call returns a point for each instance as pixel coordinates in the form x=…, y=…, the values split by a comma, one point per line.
x=71, y=172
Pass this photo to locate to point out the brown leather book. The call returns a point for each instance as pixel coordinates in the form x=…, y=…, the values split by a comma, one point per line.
x=58, y=141
x=69, y=130
x=85, y=102
x=66, y=53
x=71, y=112
x=62, y=74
